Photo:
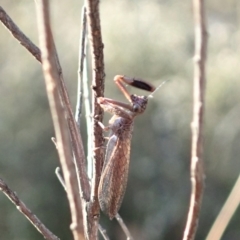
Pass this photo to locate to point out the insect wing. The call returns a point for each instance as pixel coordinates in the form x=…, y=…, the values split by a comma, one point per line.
x=114, y=175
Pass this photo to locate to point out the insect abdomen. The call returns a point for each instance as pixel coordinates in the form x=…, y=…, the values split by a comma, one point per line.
x=114, y=176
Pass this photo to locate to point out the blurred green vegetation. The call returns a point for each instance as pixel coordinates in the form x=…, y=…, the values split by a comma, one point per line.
x=153, y=40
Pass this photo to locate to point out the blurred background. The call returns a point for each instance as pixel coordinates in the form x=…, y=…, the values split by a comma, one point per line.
x=153, y=40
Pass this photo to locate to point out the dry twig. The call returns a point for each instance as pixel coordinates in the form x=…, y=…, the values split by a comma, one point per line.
x=103, y=232
x=88, y=118
x=26, y=212
x=124, y=227
x=83, y=91
x=52, y=82
x=82, y=56
x=96, y=45
x=100, y=228
x=226, y=213
x=97, y=87
x=197, y=174
x=19, y=35
x=74, y=133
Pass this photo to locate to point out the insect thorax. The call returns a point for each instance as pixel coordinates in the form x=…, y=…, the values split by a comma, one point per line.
x=120, y=125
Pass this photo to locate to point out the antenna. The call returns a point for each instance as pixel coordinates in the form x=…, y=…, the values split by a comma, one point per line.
x=161, y=84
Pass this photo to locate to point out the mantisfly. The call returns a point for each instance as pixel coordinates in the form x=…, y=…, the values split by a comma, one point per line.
x=114, y=175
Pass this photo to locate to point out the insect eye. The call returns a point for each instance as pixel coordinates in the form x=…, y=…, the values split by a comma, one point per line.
x=135, y=108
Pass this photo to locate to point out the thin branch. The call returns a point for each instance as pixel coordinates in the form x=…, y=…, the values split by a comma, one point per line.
x=226, y=213
x=98, y=76
x=26, y=212
x=96, y=45
x=88, y=117
x=82, y=56
x=76, y=139
x=74, y=133
x=103, y=232
x=60, y=125
x=60, y=178
x=124, y=227
x=18, y=34
x=83, y=91
x=197, y=173
x=100, y=228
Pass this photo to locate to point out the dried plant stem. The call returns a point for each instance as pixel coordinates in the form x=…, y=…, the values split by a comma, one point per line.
x=74, y=133
x=60, y=178
x=82, y=56
x=103, y=232
x=60, y=125
x=197, y=173
x=89, y=120
x=79, y=157
x=26, y=212
x=226, y=213
x=83, y=91
x=75, y=139
x=96, y=45
x=18, y=34
x=100, y=228
x=124, y=227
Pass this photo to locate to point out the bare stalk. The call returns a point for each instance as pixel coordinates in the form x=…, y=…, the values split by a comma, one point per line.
x=60, y=178
x=19, y=35
x=96, y=45
x=52, y=81
x=76, y=140
x=98, y=75
x=82, y=56
x=103, y=232
x=226, y=213
x=124, y=227
x=83, y=91
x=74, y=133
x=26, y=212
x=197, y=173
x=100, y=228
x=88, y=117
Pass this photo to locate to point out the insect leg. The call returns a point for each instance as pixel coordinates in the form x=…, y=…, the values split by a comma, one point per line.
x=115, y=107
x=135, y=82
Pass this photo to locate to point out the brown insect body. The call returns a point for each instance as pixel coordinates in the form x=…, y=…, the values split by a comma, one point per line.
x=114, y=175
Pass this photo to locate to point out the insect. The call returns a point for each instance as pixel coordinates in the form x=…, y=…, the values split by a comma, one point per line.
x=114, y=175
